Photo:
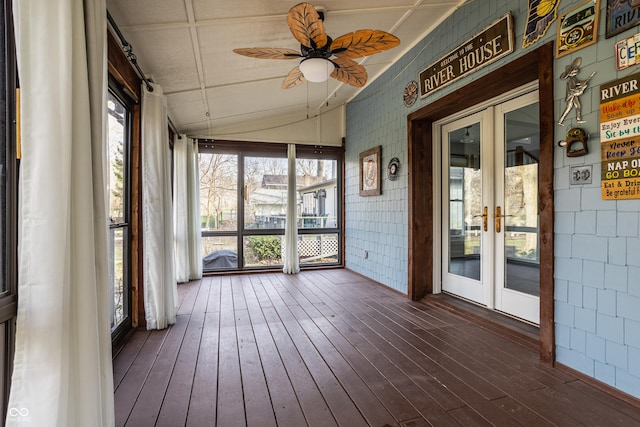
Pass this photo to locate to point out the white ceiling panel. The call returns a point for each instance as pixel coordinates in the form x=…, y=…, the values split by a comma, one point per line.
x=187, y=47
x=146, y=12
x=187, y=107
x=167, y=56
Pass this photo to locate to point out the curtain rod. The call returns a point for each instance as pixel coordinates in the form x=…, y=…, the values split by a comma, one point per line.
x=128, y=51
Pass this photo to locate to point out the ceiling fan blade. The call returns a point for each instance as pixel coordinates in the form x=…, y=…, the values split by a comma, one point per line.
x=349, y=71
x=268, y=53
x=293, y=79
x=363, y=43
x=306, y=26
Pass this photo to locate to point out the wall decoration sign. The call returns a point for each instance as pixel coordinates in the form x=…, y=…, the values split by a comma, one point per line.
x=622, y=15
x=393, y=169
x=370, y=172
x=410, y=93
x=578, y=28
x=620, y=138
x=486, y=47
x=541, y=14
x=628, y=52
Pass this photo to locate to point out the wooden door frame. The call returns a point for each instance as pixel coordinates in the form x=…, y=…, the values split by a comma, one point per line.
x=536, y=65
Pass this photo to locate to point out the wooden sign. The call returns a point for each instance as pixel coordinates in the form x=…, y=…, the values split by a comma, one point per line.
x=620, y=138
x=490, y=45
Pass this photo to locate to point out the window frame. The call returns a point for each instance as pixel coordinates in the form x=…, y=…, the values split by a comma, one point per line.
x=119, y=333
x=276, y=150
x=9, y=296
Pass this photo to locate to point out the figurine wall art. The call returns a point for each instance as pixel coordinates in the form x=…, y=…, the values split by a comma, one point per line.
x=575, y=88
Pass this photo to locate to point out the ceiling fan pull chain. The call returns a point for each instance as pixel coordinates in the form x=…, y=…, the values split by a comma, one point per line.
x=307, y=100
x=327, y=95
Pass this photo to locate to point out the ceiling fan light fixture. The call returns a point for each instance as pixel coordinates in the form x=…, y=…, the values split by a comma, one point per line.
x=467, y=138
x=316, y=69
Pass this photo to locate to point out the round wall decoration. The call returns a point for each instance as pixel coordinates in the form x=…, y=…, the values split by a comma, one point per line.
x=410, y=93
x=393, y=168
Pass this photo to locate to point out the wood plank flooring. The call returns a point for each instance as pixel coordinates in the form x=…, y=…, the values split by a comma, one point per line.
x=330, y=348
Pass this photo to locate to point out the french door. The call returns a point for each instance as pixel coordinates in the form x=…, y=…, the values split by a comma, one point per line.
x=490, y=238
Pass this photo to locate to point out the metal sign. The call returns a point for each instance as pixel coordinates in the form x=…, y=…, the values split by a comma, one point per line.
x=628, y=52
x=486, y=47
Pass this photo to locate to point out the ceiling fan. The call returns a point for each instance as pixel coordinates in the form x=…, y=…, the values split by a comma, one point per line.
x=324, y=57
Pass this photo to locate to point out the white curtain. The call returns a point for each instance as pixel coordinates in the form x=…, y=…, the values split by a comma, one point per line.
x=62, y=373
x=160, y=288
x=291, y=261
x=186, y=209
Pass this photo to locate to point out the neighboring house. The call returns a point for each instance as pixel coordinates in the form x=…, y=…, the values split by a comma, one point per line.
x=319, y=204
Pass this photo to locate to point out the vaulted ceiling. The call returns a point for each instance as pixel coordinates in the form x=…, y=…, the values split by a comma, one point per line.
x=187, y=47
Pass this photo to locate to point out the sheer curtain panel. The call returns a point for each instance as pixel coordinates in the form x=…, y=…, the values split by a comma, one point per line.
x=160, y=288
x=62, y=372
x=193, y=201
x=291, y=261
x=186, y=196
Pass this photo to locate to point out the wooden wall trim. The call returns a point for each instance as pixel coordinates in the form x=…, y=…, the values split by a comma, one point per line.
x=420, y=209
x=545, y=201
x=120, y=68
x=535, y=65
x=138, y=318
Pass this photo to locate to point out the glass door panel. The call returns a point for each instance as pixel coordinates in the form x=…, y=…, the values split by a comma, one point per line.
x=118, y=137
x=265, y=193
x=517, y=223
x=522, y=147
x=219, y=192
x=219, y=210
x=465, y=201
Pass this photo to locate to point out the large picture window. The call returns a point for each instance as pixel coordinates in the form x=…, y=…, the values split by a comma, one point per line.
x=243, y=198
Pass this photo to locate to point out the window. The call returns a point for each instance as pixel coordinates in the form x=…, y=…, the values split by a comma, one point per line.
x=319, y=210
x=243, y=197
x=119, y=142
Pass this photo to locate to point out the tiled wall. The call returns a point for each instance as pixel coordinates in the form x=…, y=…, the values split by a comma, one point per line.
x=597, y=252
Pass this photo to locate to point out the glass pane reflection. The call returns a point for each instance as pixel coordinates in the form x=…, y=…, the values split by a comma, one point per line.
x=465, y=202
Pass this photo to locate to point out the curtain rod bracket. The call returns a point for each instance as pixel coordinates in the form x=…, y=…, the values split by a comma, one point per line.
x=128, y=51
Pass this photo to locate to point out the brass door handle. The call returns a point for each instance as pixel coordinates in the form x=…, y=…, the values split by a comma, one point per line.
x=244, y=193
x=498, y=216
x=485, y=218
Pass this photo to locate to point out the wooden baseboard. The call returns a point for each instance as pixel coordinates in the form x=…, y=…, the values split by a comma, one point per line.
x=519, y=332
x=369, y=279
x=614, y=392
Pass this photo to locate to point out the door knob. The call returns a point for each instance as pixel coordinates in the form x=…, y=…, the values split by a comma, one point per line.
x=485, y=220
x=498, y=216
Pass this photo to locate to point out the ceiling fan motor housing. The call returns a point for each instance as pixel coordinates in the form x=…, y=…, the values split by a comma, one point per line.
x=317, y=52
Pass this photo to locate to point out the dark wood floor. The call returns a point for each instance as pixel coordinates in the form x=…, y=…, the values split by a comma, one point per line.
x=331, y=348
